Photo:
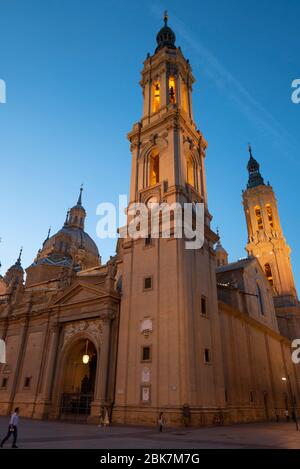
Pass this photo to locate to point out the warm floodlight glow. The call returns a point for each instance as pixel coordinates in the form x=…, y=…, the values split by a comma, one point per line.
x=85, y=357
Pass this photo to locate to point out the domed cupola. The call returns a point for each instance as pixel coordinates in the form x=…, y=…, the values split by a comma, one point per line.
x=15, y=273
x=255, y=178
x=77, y=214
x=221, y=253
x=165, y=37
x=70, y=248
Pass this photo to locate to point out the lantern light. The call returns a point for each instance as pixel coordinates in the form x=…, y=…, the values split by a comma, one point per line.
x=86, y=357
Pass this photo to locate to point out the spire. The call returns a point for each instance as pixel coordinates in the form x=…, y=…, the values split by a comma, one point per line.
x=219, y=240
x=79, y=201
x=18, y=263
x=255, y=178
x=67, y=217
x=75, y=216
x=166, y=17
x=48, y=235
x=165, y=37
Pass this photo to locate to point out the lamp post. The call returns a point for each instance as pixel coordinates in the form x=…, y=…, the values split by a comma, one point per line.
x=288, y=381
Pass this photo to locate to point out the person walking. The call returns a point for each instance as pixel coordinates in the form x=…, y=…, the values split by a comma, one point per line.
x=287, y=415
x=12, y=428
x=161, y=422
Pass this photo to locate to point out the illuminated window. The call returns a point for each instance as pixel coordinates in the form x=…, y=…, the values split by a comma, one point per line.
x=156, y=97
x=190, y=171
x=172, y=90
x=270, y=215
x=268, y=272
x=184, y=94
x=259, y=218
x=154, y=169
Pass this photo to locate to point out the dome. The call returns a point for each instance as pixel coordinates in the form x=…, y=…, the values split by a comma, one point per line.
x=63, y=248
x=165, y=37
x=71, y=246
x=75, y=237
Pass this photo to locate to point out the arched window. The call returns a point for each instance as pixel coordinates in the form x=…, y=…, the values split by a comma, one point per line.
x=154, y=168
x=184, y=94
x=259, y=219
x=269, y=275
x=156, y=96
x=260, y=301
x=172, y=90
x=270, y=215
x=190, y=171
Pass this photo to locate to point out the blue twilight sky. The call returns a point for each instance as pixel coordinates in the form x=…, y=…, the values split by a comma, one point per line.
x=72, y=69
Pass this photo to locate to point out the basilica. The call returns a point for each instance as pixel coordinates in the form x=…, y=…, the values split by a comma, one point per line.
x=158, y=328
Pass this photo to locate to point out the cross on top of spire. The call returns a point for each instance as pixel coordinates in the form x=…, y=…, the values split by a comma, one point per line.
x=250, y=150
x=79, y=201
x=166, y=17
x=165, y=37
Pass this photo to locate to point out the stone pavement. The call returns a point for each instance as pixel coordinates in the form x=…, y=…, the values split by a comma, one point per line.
x=56, y=435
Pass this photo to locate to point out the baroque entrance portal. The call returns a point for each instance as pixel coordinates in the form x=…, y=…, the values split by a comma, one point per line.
x=78, y=381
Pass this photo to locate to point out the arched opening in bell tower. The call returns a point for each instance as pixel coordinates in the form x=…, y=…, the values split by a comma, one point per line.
x=154, y=168
x=79, y=376
x=190, y=170
x=156, y=96
x=172, y=90
x=259, y=219
x=270, y=215
x=184, y=97
x=268, y=273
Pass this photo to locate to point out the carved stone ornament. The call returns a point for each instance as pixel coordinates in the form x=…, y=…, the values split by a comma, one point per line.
x=159, y=140
x=145, y=375
x=146, y=326
x=92, y=327
x=153, y=192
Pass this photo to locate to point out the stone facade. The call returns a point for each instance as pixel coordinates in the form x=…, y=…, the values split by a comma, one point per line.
x=159, y=327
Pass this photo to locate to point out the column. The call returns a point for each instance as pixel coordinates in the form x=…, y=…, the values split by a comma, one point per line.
x=101, y=385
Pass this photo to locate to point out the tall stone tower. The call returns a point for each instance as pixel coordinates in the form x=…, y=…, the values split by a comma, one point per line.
x=266, y=240
x=169, y=352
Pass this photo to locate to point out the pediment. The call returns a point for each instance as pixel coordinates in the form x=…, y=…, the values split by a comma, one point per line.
x=80, y=292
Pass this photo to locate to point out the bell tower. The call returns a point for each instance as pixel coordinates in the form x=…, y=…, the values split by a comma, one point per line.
x=265, y=236
x=169, y=349
x=168, y=150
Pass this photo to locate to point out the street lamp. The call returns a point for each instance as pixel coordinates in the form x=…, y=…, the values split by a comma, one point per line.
x=287, y=379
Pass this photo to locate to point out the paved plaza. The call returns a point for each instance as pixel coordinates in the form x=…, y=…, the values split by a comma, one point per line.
x=46, y=434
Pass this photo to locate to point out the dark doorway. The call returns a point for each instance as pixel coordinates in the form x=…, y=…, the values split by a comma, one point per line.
x=79, y=382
